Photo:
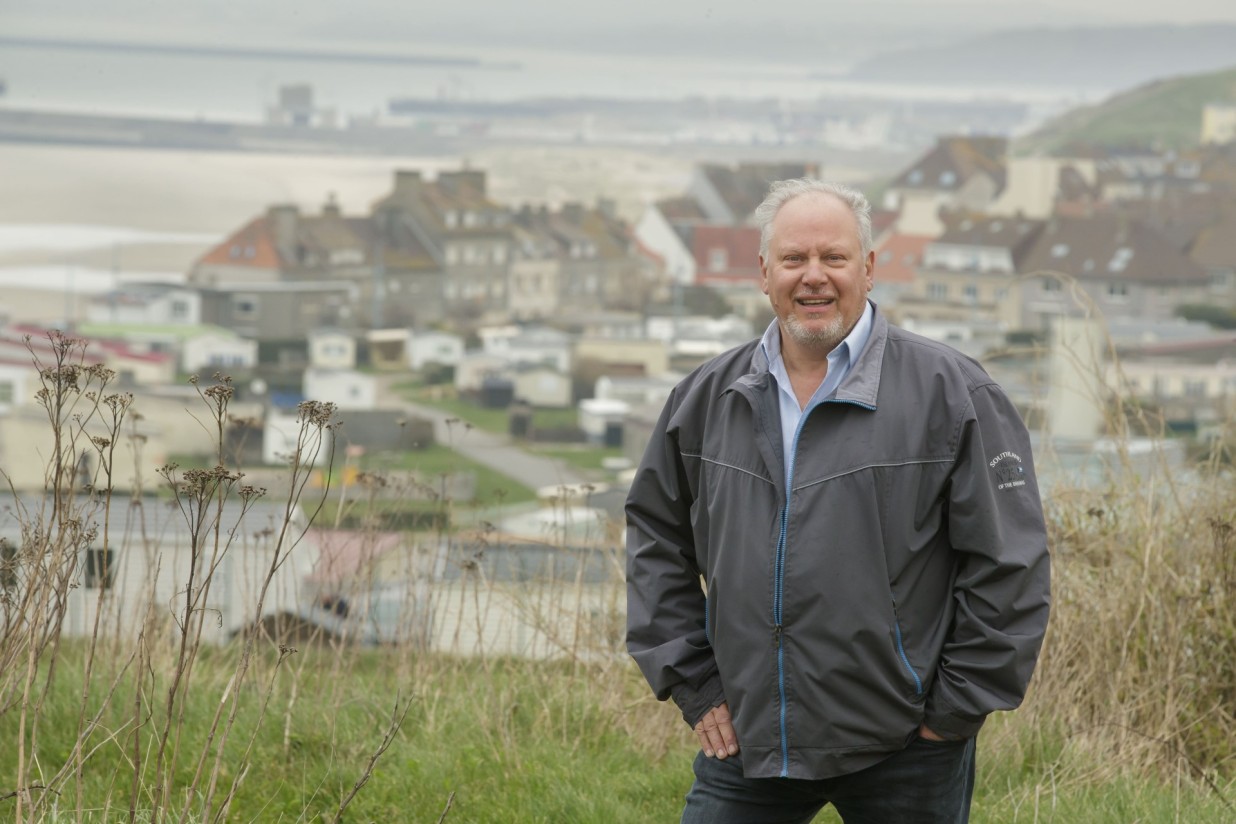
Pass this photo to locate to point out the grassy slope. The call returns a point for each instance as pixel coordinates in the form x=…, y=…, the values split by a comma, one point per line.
x=1165, y=114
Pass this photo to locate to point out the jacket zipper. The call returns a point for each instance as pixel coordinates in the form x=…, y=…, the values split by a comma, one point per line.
x=779, y=594
x=779, y=582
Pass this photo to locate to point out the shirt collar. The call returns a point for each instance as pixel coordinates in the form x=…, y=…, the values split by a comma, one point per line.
x=851, y=346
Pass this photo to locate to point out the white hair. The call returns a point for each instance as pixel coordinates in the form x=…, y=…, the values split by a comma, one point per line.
x=783, y=191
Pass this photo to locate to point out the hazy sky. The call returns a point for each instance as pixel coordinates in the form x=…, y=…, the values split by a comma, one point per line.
x=691, y=26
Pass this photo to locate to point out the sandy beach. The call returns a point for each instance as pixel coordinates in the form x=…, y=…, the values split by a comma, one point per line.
x=179, y=191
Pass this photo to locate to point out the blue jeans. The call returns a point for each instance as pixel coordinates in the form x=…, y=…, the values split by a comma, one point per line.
x=929, y=782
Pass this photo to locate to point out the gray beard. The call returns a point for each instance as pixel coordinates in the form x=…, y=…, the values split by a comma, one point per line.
x=826, y=338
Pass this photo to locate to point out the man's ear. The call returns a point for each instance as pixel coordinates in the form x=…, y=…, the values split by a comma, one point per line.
x=763, y=275
x=870, y=267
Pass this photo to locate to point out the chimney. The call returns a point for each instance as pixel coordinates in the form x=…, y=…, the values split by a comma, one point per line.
x=284, y=219
x=331, y=208
x=573, y=213
x=407, y=183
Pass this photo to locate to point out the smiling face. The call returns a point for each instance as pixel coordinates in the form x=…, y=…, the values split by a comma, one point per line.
x=815, y=273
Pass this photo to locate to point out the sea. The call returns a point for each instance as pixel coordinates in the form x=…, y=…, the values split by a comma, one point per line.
x=238, y=85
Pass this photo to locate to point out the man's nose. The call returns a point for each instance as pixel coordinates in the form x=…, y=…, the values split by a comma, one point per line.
x=815, y=272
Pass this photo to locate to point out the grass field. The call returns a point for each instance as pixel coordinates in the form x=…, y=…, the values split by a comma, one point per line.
x=512, y=741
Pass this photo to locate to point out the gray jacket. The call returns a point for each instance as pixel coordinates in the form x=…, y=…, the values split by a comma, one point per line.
x=903, y=579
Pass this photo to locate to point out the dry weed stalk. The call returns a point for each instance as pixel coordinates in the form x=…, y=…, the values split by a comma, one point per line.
x=74, y=520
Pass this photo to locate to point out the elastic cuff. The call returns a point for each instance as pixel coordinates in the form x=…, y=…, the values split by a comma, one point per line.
x=695, y=703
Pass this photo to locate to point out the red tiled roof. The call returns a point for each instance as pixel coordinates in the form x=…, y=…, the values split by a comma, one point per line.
x=253, y=245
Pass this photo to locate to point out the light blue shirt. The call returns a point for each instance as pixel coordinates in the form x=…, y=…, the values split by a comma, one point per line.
x=840, y=361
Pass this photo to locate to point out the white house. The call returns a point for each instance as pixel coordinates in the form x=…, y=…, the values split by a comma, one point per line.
x=541, y=386
x=473, y=368
x=217, y=349
x=17, y=384
x=346, y=388
x=331, y=349
x=535, y=344
x=637, y=391
x=147, y=304
x=434, y=347
x=599, y=417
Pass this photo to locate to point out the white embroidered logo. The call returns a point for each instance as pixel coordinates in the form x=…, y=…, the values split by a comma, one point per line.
x=1009, y=471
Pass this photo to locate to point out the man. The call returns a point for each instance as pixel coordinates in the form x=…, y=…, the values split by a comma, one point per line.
x=837, y=563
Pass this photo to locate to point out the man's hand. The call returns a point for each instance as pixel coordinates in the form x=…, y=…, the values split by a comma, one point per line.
x=716, y=733
x=925, y=732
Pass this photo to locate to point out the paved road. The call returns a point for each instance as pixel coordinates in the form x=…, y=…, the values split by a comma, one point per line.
x=498, y=452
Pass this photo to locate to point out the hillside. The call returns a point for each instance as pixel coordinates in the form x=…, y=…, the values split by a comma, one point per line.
x=1164, y=114
x=1096, y=58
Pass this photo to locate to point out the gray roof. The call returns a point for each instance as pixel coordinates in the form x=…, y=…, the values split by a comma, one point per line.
x=1110, y=247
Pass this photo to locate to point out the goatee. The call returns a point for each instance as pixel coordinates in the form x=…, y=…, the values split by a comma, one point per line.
x=826, y=337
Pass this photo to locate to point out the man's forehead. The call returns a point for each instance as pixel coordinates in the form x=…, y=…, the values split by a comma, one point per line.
x=837, y=210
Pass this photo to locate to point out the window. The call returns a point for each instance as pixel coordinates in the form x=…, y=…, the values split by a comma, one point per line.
x=180, y=309
x=1060, y=250
x=6, y=392
x=937, y=291
x=718, y=260
x=1120, y=260
x=1051, y=285
x=1195, y=389
x=971, y=293
x=245, y=307
x=100, y=568
x=1118, y=291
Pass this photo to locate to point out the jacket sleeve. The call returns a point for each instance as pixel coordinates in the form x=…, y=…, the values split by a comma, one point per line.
x=1002, y=587
x=666, y=611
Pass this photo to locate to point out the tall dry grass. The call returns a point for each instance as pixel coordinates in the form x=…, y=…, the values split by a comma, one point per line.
x=1138, y=671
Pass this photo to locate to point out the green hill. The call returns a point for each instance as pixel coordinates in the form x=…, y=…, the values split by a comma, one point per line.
x=1164, y=114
